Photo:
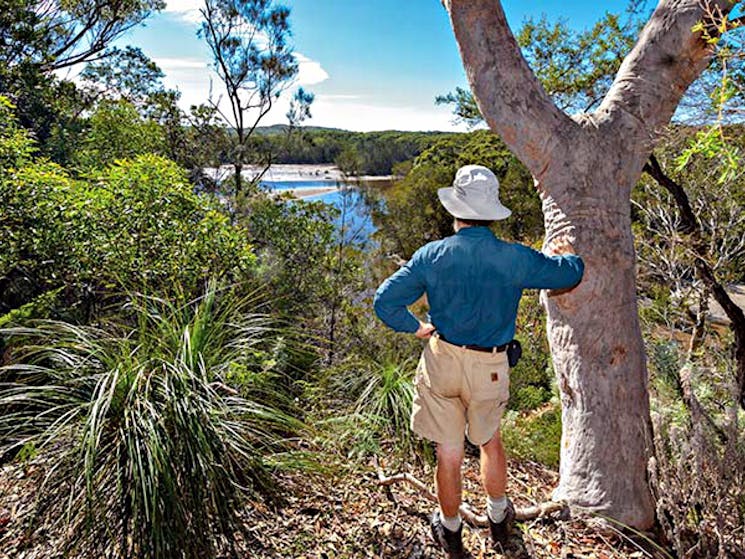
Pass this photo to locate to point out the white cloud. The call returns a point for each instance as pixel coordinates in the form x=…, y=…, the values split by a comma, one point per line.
x=351, y=113
x=310, y=72
x=347, y=111
x=188, y=10
x=329, y=96
x=192, y=77
x=174, y=64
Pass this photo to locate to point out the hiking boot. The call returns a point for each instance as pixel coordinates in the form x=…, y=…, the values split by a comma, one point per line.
x=500, y=531
x=451, y=542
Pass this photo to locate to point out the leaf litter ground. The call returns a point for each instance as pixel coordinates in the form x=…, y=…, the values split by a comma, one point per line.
x=348, y=515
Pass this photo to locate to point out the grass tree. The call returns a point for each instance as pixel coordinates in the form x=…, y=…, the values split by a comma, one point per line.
x=153, y=430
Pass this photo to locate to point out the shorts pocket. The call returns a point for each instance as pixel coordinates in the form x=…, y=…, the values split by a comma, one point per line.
x=440, y=373
x=490, y=381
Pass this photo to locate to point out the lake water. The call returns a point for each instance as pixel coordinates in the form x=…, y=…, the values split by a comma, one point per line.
x=358, y=224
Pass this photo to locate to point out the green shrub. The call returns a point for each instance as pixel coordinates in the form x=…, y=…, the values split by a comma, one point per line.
x=116, y=131
x=295, y=246
x=136, y=226
x=534, y=436
x=532, y=380
x=369, y=405
x=150, y=452
x=16, y=147
x=385, y=393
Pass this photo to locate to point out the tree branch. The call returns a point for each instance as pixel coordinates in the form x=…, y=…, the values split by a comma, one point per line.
x=508, y=93
x=666, y=59
x=704, y=270
x=689, y=223
x=521, y=514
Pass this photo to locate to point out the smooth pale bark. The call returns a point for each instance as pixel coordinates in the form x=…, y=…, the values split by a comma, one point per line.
x=585, y=167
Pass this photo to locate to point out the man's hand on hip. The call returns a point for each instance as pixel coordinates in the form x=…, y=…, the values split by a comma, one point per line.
x=425, y=330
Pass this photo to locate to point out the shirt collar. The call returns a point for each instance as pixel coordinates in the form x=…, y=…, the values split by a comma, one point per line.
x=477, y=231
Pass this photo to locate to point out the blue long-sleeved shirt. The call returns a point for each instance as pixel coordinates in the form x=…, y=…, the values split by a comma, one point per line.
x=473, y=282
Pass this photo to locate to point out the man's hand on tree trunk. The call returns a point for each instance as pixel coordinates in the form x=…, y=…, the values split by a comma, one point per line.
x=559, y=246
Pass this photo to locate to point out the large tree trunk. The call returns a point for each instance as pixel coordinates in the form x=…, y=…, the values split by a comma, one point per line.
x=584, y=168
x=596, y=344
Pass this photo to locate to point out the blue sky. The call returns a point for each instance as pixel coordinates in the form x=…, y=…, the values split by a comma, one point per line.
x=373, y=65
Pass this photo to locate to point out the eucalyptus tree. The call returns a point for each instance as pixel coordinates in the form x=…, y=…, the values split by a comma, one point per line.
x=249, y=43
x=584, y=167
x=575, y=67
x=54, y=34
x=127, y=74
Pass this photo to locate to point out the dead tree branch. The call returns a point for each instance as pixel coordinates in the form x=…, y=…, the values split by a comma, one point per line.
x=474, y=519
x=691, y=226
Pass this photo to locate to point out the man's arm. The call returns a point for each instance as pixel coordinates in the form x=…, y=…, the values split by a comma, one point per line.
x=397, y=292
x=558, y=268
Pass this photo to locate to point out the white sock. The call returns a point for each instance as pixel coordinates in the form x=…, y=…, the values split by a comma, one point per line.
x=452, y=523
x=496, y=508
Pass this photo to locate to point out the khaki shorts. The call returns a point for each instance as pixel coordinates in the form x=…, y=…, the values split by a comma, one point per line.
x=459, y=392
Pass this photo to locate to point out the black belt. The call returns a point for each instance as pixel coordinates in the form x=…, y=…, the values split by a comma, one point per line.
x=493, y=349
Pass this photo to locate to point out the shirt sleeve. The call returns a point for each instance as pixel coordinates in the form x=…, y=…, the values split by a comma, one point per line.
x=397, y=292
x=541, y=271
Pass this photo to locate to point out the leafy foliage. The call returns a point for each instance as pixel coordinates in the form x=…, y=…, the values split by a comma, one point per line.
x=125, y=74
x=117, y=131
x=311, y=264
x=535, y=435
x=16, y=147
x=294, y=244
x=532, y=380
x=41, y=37
x=576, y=68
x=464, y=104
x=136, y=225
x=372, y=407
x=57, y=34
x=356, y=153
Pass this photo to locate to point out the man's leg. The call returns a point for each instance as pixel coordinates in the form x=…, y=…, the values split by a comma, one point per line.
x=448, y=477
x=494, y=467
x=494, y=477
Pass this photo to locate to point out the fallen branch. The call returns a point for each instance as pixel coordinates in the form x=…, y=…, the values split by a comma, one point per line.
x=474, y=519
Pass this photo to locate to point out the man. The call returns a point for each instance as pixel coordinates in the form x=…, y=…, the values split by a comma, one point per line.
x=473, y=282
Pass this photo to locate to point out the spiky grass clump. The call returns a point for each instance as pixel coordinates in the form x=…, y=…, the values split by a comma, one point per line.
x=151, y=453
x=386, y=396
x=372, y=403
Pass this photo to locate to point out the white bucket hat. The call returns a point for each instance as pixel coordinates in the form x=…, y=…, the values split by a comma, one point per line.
x=474, y=195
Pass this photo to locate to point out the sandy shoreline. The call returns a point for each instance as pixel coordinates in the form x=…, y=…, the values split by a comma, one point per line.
x=296, y=173
x=301, y=193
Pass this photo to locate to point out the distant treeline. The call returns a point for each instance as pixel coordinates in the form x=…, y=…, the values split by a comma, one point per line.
x=367, y=153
